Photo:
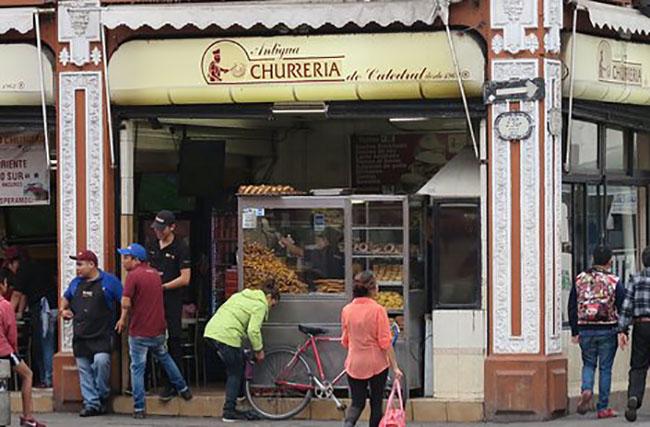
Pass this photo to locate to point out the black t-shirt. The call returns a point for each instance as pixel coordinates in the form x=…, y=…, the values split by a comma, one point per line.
x=169, y=261
x=35, y=280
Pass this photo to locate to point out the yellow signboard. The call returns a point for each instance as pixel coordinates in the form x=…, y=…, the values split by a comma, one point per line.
x=303, y=68
x=608, y=70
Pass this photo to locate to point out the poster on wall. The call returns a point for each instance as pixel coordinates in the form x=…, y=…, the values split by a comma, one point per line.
x=401, y=163
x=24, y=176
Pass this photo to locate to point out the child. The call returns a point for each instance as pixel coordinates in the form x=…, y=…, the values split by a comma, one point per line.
x=8, y=351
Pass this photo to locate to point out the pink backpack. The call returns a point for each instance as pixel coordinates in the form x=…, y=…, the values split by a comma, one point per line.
x=394, y=415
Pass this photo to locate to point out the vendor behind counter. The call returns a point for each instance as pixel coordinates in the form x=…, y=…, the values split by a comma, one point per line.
x=323, y=259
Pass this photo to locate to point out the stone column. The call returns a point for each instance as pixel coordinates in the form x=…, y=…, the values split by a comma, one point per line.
x=525, y=371
x=85, y=179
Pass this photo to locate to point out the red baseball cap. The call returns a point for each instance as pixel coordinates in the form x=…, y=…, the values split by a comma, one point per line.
x=85, y=255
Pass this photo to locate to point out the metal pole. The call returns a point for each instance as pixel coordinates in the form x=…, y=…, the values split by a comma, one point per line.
x=462, y=89
x=567, y=157
x=41, y=80
x=109, y=114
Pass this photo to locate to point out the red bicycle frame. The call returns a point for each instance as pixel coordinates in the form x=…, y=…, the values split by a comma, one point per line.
x=311, y=342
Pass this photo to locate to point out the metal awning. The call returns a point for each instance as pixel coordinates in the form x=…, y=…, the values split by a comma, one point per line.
x=20, y=19
x=459, y=178
x=616, y=18
x=292, y=14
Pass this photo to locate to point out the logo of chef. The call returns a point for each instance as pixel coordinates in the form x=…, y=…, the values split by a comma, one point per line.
x=216, y=70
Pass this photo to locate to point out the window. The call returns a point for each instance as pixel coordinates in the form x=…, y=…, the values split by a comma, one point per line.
x=642, y=151
x=615, y=152
x=584, y=147
x=457, y=264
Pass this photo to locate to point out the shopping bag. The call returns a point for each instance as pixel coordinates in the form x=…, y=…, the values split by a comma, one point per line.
x=394, y=415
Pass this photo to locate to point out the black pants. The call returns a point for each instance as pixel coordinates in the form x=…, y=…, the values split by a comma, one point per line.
x=640, y=360
x=174, y=343
x=233, y=358
x=359, y=392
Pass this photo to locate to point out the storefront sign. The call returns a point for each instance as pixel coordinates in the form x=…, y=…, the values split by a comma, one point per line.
x=24, y=177
x=295, y=68
x=607, y=70
x=514, y=125
x=617, y=70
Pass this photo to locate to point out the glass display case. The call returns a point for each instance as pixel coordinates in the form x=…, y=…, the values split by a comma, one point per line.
x=313, y=246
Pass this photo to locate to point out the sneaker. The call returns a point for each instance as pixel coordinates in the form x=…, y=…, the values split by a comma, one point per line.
x=585, y=402
x=233, y=417
x=632, y=406
x=139, y=415
x=251, y=415
x=30, y=422
x=607, y=413
x=167, y=395
x=89, y=412
x=186, y=394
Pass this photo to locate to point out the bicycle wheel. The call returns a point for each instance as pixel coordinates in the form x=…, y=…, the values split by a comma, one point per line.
x=280, y=386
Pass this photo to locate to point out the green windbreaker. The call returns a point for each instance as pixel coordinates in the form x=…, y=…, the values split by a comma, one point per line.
x=242, y=315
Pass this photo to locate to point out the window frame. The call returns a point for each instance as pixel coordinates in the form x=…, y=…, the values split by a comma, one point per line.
x=436, y=207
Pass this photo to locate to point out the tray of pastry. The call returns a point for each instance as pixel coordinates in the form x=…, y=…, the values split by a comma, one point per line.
x=377, y=249
x=330, y=286
x=268, y=190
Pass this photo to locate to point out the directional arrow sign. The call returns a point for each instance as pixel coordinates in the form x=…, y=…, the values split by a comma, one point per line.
x=513, y=90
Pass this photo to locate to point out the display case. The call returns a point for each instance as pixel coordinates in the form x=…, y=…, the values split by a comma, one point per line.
x=313, y=246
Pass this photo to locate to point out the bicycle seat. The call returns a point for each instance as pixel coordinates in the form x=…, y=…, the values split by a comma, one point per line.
x=308, y=330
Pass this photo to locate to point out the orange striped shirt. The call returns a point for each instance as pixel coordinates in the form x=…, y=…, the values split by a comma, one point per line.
x=366, y=335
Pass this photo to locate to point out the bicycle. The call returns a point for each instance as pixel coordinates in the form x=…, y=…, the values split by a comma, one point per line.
x=284, y=384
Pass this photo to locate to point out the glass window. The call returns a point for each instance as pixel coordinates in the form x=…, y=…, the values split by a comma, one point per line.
x=457, y=260
x=584, y=146
x=621, y=222
x=615, y=153
x=302, y=249
x=567, y=252
x=642, y=151
x=594, y=232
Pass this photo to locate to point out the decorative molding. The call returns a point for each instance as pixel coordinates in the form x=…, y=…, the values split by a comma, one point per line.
x=553, y=24
x=79, y=25
x=553, y=210
x=69, y=84
x=497, y=44
x=503, y=340
x=532, y=43
x=513, y=17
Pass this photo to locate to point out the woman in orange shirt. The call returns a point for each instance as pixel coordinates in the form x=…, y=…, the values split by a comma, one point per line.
x=367, y=336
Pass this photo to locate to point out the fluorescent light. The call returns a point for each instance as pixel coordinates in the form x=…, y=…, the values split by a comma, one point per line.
x=408, y=119
x=299, y=108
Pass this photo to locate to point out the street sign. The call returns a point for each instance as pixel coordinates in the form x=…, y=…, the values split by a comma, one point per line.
x=514, y=90
x=513, y=125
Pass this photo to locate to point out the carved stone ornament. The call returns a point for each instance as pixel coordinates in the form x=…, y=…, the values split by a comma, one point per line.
x=513, y=17
x=79, y=25
x=504, y=340
x=69, y=84
x=553, y=24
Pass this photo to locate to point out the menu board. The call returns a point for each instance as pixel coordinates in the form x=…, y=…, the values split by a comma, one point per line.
x=401, y=163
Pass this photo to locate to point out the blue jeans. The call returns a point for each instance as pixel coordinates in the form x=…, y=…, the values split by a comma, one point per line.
x=138, y=348
x=233, y=358
x=598, y=349
x=94, y=376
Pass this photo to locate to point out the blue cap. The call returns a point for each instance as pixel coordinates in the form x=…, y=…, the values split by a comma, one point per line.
x=135, y=250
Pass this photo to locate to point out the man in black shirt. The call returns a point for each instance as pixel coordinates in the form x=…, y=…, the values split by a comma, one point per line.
x=171, y=257
x=34, y=281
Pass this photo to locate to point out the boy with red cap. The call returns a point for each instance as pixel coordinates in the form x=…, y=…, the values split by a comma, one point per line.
x=91, y=302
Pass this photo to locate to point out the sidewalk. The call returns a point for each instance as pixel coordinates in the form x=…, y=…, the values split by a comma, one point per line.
x=73, y=420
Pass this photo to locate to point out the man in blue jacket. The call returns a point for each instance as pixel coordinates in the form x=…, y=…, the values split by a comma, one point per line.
x=91, y=302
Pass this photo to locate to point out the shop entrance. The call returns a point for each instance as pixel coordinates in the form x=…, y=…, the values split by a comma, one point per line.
x=362, y=148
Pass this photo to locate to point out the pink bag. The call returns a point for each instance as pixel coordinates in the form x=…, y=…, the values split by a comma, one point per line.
x=394, y=415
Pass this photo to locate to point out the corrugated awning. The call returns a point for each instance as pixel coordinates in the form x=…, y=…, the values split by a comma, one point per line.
x=20, y=19
x=617, y=18
x=289, y=13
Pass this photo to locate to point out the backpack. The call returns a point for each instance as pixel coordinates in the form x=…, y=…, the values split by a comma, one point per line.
x=596, y=294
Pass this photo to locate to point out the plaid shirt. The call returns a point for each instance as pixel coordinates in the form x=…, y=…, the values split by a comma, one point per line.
x=637, y=300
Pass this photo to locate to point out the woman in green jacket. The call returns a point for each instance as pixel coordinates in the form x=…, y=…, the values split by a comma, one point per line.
x=241, y=316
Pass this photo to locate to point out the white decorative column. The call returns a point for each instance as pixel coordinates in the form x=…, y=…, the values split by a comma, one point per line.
x=85, y=192
x=525, y=373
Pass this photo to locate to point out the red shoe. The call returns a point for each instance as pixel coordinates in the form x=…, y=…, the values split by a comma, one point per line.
x=30, y=422
x=607, y=413
x=585, y=402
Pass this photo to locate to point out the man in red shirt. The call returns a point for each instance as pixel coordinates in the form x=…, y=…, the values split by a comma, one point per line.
x=9, y=351
x=142, y=301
